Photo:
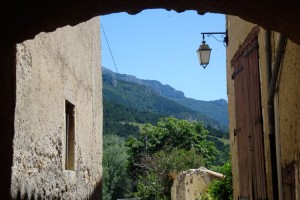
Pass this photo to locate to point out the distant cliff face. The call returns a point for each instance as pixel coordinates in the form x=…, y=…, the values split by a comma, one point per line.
x=164, y=90
x=110, y=79
x=161, y=89
x=220, y=102
x=216, y=109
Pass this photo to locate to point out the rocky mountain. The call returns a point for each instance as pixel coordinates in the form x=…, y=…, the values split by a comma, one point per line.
x=163, y=90
x=163, y=98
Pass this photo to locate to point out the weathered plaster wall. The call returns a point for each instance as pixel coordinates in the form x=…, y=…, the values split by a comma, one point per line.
x=188, y=185
x=289, y=108
x=289, y=95
x=54, y=67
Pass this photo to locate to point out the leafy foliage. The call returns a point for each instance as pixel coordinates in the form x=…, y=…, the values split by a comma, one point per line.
x=115, y=174
x=223, y=150
x=159, y=170
x=173, y=133
x=222, y=189
x=169, y=147
x=164, y=147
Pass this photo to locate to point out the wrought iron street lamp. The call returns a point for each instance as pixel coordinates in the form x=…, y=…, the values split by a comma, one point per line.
x=204, y=50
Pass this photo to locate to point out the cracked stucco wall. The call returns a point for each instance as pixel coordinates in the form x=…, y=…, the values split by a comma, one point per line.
x=51, y=68
x=190, y=184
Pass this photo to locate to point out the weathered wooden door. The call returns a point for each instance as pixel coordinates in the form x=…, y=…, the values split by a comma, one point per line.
x=249, y=131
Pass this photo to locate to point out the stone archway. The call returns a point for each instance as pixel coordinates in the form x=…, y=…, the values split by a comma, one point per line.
x=24, y=20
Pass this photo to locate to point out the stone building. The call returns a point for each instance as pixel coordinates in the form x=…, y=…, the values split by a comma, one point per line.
x=58, y=115
x=263, y=74
x=190, y=184
x=24, y=20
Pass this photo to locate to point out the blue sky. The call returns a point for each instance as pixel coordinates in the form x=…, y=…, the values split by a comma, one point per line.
x=161, y=45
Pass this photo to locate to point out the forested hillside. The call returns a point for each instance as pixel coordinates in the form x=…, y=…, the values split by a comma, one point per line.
x=145, y=99
x=142, y=165
x=148, y=138
x=216, y=110
x=122, y=120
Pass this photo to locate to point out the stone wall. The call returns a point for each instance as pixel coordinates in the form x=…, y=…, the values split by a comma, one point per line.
x=287, y=114
x=52, y=68
x=189, y=185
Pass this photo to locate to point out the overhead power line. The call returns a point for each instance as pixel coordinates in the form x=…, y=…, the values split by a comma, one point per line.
x=126, y=95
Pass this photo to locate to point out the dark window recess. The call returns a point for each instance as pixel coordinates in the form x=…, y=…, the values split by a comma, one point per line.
x=70, y=136
x=289, y=181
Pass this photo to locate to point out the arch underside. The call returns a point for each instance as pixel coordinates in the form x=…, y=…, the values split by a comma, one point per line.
x=23, y=20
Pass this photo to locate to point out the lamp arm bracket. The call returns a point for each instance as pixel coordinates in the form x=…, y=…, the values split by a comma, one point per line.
x=223, y=35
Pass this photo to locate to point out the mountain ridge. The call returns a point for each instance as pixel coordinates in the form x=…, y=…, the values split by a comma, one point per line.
x=216, y=109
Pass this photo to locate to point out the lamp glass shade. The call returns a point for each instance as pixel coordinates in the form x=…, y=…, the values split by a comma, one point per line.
x=204, y=54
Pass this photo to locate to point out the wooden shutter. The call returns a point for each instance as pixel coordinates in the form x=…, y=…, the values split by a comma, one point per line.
x=249, y=130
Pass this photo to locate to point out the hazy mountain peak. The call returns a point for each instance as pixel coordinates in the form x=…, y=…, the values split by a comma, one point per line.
x=216, y=109
x=161, y=89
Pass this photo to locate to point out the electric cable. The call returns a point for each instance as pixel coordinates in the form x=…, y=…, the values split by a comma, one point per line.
x=126, y=95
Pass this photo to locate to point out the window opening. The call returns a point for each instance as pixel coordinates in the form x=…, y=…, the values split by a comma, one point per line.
x=70, y=136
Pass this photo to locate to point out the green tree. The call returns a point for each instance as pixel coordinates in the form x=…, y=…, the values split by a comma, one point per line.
x=170, y=146
x=222, y=189
x=115, y=173
x=173, y=133
x=159, y=170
